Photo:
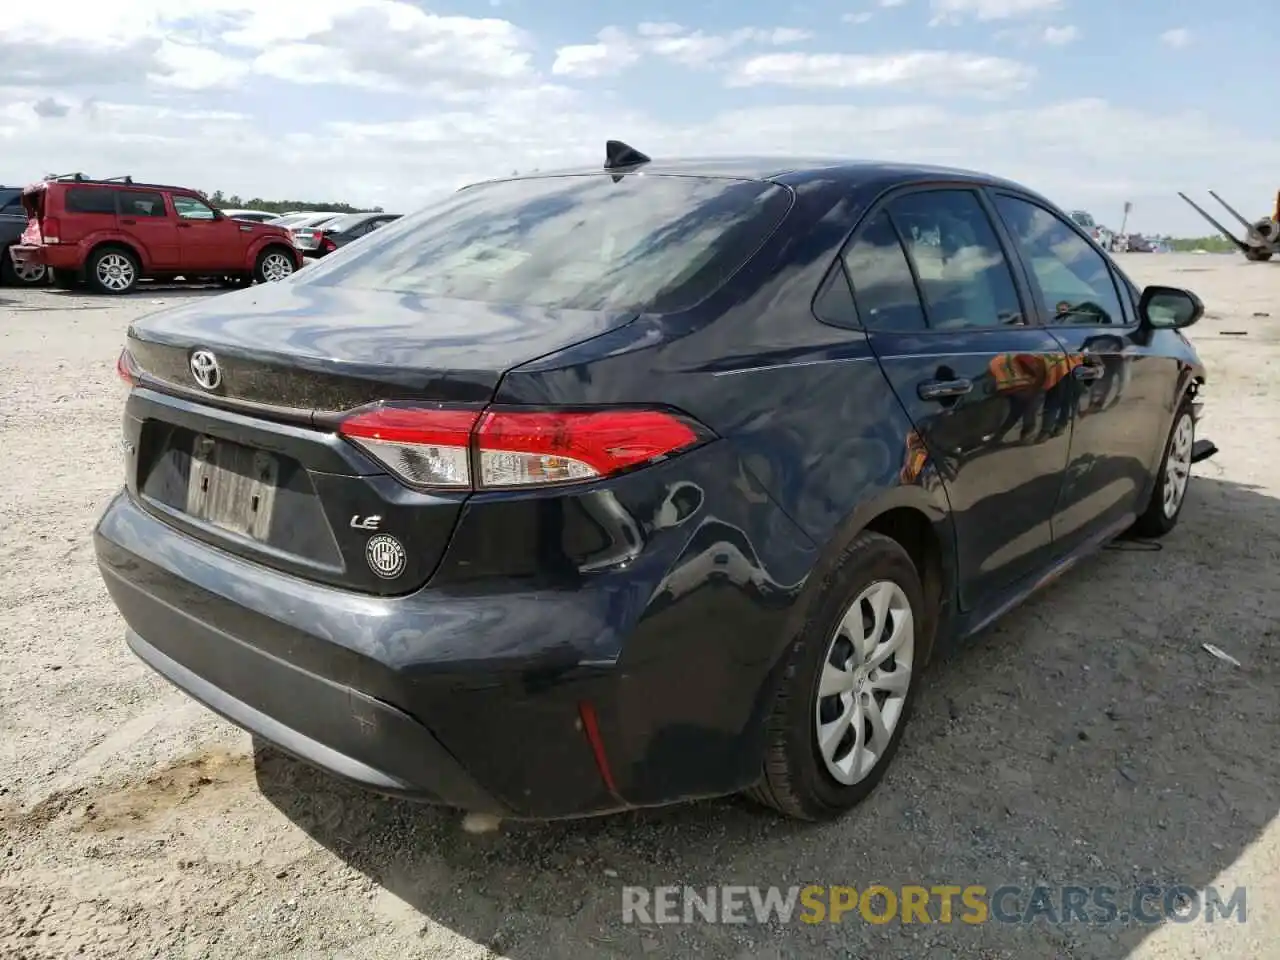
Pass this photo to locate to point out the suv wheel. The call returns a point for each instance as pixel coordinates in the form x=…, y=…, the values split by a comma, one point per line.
x=112, y=270
x=1173, y=478
x=848, y=686
x=273, y=264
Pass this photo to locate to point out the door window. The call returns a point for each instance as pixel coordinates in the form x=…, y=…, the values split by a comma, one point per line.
x=964, y=276
x=883, y=288
x=135, y=203
x=1075, y=284
x=189, y=208
x=91, y=200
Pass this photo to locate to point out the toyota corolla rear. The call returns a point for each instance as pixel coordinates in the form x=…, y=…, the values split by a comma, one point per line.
x=354, y=525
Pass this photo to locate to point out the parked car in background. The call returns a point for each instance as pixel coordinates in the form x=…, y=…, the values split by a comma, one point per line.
x=304, y=230
x=1136, y=243
x=251, y=216
x=328, y=237
x=109, y=234
x=290, y=219
x=13, y=222
x=619, y=486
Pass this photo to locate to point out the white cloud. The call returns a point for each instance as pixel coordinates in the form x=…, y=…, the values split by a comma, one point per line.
x=615, y=50
x=612, y=52
x=173, y=90
x=954, y=11
x=892, y=3
x=933, y=71
x=1177, y=38
x=1060, y=36
x=857, y=18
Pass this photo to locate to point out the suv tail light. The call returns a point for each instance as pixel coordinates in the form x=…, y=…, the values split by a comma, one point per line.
x=50, y=229
x=439, y=447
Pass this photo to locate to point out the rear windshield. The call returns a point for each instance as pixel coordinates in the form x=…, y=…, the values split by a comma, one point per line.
x=11, y=201
x=644, y=243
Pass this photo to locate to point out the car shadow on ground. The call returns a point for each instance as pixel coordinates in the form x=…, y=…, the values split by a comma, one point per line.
x=1088, y=739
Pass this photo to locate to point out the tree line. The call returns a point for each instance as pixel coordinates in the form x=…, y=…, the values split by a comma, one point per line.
x=235, y=202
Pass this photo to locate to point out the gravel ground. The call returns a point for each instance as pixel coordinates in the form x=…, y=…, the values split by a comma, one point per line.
x=1086, y=739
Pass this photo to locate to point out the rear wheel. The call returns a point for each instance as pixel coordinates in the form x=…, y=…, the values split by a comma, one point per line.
x=1257, y=256
x=274, y=263
x=848, y=686
x=27, y=275
x=1170, y=491
x=112, y=270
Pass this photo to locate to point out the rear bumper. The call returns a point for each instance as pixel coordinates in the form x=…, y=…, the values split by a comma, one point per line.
x=48, y=255
x=641, y=685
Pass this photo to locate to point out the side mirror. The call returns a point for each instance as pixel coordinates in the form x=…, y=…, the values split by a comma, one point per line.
x=1169, y=308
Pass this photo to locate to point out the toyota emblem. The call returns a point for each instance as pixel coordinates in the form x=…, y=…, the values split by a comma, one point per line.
x=204, y=367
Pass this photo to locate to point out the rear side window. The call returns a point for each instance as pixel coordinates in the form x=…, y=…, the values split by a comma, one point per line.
x=883, y=287
x=642, y=243
x=136, y=203
x=90, y=200
x=964, y=276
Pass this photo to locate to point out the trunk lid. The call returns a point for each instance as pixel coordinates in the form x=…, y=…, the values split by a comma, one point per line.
x=272, y=488
x=318, y=349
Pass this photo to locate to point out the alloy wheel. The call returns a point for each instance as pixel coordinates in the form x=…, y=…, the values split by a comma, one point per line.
x=1177, y=470
x=30, y=272
x=862, y=690
x=115, y=272
x=276, y=266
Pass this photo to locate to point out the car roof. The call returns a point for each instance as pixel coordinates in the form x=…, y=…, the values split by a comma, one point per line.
x=789, y=170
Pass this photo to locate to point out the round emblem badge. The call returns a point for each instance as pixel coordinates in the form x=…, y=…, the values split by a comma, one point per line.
x=386, y=556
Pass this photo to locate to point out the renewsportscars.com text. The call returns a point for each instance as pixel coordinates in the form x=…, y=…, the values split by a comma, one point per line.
x=938, y=903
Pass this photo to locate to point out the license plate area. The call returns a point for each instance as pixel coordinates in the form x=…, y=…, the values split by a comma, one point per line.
x=232, y=486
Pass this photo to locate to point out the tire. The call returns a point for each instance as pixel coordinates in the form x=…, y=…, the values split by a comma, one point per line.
x=274, y=263
x=112, y=270
x=798, y=779
x=235, y=283
x=10, y=276
x=1257, y=256
x=1169, y=494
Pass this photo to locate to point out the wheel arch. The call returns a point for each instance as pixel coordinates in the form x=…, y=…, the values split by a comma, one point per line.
x=262, y=244
x=913, y=516
x=114, y=243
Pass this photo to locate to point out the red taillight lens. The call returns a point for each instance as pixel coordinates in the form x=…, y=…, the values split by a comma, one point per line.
x=126, y=369
x=446, y=448
x=327, y=245
x=519, y=448
x=50, y=229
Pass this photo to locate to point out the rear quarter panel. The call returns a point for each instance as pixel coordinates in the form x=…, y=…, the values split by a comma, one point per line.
x=261, y=241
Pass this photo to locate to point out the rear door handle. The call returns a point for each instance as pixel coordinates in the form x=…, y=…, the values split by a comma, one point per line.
x=1087, y=371
x=943, y=389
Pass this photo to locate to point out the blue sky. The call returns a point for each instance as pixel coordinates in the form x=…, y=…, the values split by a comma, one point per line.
x=390, y=101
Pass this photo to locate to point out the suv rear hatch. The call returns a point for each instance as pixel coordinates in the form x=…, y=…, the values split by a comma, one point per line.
x=433, y=309
x=33, y=201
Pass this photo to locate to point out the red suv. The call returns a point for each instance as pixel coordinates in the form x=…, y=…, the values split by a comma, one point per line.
x=112, y=233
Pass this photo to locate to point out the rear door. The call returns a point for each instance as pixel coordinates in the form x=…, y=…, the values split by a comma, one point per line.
x=146, y=221
x=1120, y=389
x=947, y=319
x=208, y=241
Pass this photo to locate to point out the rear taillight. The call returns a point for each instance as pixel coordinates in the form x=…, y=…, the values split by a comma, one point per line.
x=327, y=245
x=126, y=369
x=50, y=229
x=443, y=448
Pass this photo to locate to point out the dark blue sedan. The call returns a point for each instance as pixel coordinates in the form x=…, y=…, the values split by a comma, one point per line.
x=615, y=487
